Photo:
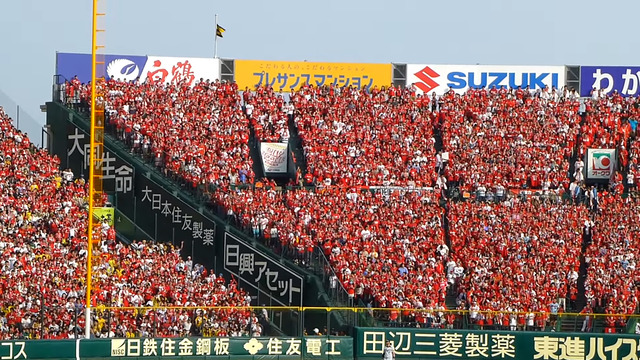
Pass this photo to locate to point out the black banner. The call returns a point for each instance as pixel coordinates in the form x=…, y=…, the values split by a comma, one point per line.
x=261, y=273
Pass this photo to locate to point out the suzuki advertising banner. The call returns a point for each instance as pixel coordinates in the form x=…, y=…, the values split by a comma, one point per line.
x=624, y=79
x=287, y=75
x=600, y=164
x=139, y=68
x=439, y=79
x=274, y=157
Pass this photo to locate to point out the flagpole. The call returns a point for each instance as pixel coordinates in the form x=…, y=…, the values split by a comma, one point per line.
x=215, y=36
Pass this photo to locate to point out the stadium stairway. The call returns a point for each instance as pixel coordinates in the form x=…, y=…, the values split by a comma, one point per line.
x=295, y=146
x=437, y=135
x=254, y=150
x=576, y=149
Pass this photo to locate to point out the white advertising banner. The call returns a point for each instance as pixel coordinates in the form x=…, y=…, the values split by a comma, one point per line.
x=600, y=164
x=439, y=79
x=173, y=70
x=274, y=157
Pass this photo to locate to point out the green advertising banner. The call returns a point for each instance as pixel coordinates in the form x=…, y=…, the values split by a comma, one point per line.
x=284, y=348
x=466, y=344
x=409, y=343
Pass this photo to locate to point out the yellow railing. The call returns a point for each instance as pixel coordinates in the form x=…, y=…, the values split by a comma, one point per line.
x=411, y=311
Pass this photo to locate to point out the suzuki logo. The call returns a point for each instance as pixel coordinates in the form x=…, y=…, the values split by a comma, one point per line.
x=426, y=75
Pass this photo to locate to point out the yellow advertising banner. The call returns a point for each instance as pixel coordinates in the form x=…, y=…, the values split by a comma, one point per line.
x=104, y=213
x=287, y=75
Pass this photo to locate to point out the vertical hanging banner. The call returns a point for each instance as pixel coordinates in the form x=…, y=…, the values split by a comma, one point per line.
x=104, y=214
x=600, y=164
x=288, y=75
x=274, y=157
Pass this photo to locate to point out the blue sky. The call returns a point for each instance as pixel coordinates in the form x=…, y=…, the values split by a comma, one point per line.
x=514, y=32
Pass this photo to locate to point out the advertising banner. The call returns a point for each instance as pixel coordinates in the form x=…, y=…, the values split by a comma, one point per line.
x=260, y=272
x=123, y=67
x=117, y=172
x=163, y=214
x=104, y=213
x=466, y=344
x=287, y=75
x=157, y=210
x=439, y=79
x=281, y=348
x=274, y=157
x=139, y=68
x=624, y=79
x=267, y=348
x=600, y=164
x=174, y=70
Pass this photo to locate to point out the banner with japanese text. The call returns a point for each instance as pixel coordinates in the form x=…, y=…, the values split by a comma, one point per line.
x=274, y=157
x=117, y=172
x=600, y=164
x=286, y=75
x=257, y=272
x=154, y=207
x=174, y=70
x=129, y=68
x=623, y=79
x=267, y=348
x=467, y=344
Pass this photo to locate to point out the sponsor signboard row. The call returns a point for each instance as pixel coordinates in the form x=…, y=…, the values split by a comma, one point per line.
x=317, y=347
x=367, y=343
x=287, y=75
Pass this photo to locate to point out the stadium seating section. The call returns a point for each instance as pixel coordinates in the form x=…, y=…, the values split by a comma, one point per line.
x=44, y=248
x=384, y=171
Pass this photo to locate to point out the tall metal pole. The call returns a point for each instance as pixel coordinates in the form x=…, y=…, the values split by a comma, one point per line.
x=92, y=165
x=215, y=36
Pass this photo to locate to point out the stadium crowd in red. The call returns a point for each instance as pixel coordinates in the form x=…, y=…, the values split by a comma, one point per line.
x=371, y=239
x=268, y=115
x=514, y=139
x=43, y=214
x=518, y=256
x=614, y=277
x=355, y=138
x=197, y=133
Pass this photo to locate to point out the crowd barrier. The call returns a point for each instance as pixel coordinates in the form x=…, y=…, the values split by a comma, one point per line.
x=339, y=321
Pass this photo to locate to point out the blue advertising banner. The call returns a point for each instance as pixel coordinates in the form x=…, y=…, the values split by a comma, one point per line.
x=172, y=70
x=123, y=67
x=624, y=79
